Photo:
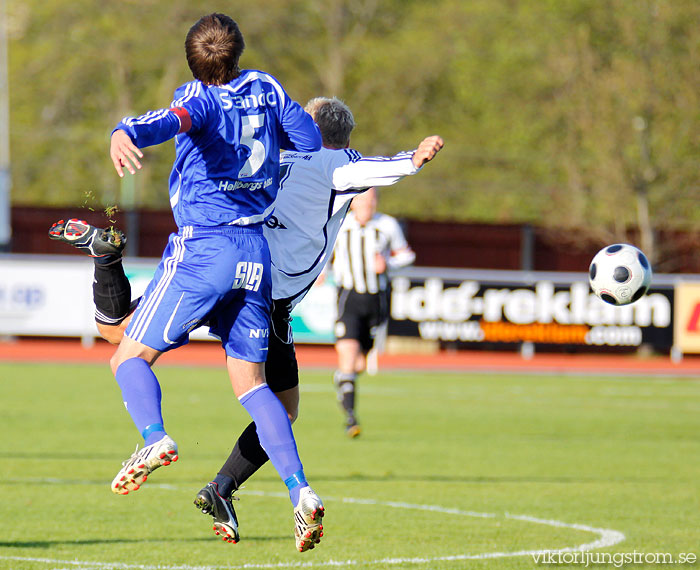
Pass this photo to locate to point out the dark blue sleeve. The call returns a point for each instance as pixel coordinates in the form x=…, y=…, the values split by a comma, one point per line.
x=151, y=128
x=299, y=132
x=159, y=126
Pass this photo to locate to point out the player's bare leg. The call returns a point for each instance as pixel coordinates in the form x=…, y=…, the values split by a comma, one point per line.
x=113, y=333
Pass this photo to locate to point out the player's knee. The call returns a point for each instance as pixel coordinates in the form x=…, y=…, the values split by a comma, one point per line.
x=291, y=406
x=114, y=362
x=121, y=355
x=360, y=363
x=112, y=334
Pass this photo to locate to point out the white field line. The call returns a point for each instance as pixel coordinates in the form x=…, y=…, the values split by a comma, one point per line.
x=606, y=538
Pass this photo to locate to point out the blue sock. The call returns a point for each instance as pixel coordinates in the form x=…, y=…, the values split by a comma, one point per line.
x=276, y=437
x=141, y=395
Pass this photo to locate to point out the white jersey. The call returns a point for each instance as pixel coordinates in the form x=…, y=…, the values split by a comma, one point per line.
x=315, y=193
x=356, y=252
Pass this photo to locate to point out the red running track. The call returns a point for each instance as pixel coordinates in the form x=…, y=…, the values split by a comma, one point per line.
x=199, y=353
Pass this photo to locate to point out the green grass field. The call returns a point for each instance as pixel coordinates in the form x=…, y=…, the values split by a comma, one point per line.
x=451, y=471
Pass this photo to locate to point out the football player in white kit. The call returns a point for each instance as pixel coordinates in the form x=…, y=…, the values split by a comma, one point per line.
x=316, y=189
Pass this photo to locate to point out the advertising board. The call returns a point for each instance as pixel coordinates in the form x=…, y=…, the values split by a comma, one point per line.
x=52, y=296
x=509, y=308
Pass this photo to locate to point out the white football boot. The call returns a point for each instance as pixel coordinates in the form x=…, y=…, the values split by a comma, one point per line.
x=308, y=516
x=142, y=463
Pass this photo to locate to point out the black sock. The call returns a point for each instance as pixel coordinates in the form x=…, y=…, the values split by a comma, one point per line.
x=111, y=292
x=246, y=458
x=107, y=259
x=345, y=386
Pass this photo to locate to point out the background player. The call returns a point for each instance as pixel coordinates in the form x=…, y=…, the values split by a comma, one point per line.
x=369, y=245
x=316, y=189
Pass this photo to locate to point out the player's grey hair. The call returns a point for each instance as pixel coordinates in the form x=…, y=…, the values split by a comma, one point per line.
x=334, y=119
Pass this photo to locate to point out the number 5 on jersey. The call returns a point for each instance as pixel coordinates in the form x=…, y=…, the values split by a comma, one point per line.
x=248, y=276
x=249, y=123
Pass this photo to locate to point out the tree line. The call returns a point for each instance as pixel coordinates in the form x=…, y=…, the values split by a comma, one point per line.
x=581, y=116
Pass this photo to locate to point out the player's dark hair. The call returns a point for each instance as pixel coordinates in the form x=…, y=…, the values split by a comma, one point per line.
x=334, y=119
x=213, y=47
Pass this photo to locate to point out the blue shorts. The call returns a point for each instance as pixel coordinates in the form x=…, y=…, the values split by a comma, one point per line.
x=220, y=275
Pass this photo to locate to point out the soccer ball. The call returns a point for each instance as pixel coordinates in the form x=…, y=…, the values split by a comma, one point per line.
x=620, y=274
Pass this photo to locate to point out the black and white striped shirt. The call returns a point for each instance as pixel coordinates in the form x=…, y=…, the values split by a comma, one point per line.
x=356, y=248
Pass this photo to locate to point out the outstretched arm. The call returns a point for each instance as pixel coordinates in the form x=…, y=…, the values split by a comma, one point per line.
x=363, y=172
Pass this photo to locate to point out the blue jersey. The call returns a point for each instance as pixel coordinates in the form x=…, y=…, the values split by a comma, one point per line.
x=226, y=168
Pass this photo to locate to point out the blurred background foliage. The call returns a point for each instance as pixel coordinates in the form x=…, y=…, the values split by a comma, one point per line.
x=570, y=114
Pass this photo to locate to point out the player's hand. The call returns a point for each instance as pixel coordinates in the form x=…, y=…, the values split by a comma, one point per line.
x=124, y=153
x=379, y=263
x=427, y=150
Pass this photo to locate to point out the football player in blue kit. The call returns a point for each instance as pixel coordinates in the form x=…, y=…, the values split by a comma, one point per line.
x=229, y=125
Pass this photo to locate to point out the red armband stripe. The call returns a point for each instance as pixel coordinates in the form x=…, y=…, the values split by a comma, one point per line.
x=185, y=119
